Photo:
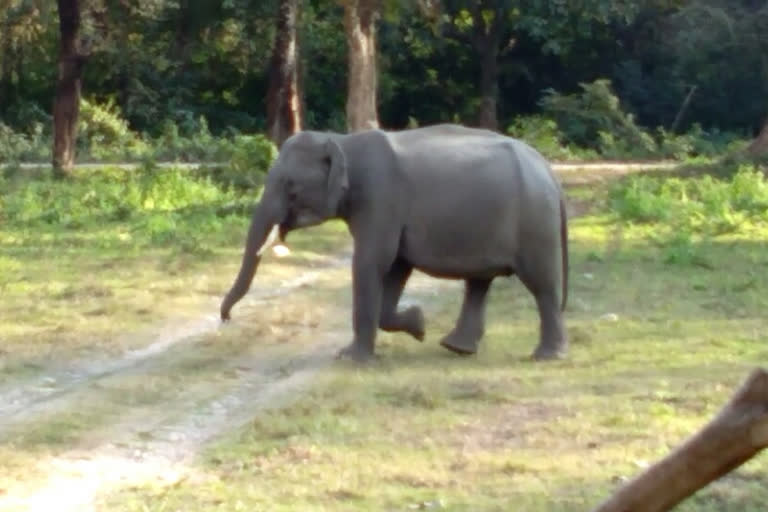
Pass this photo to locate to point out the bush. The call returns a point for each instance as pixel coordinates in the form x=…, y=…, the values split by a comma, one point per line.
x=543, y=134
x=594, y=119
x=686, y=210
x=110, y=195
x=104, y=135
x=703, y=205
x=252, y=152
x=21, y=147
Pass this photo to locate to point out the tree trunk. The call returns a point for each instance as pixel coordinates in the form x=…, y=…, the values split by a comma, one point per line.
x=733, y=437
x=6, y=61
x=486, y=39
x=360, y=26
x=489, y=89
x=760, y=144
x=183, y=33
x=66, y=103
x=283, y=97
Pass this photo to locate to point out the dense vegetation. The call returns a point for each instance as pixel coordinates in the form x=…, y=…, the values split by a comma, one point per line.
x=603, y=78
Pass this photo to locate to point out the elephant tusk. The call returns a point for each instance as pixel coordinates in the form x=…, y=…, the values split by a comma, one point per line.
x=269, y=241
x=281, y=250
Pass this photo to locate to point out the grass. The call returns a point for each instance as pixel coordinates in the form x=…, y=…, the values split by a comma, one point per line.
x=171, y=288
x=658, y=345
x=657, y=348
x=76, y=276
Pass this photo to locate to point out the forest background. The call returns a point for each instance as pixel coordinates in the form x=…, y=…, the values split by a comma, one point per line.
x=210, y=80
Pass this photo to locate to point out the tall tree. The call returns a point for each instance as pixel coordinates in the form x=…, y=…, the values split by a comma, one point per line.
x=284, y=112
x=360, y=26
x=488, y=18
x=66, y=103
x=492, y=29
x=483, y=25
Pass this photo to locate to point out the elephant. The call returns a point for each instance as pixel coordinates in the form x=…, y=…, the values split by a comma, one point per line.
x=451, y=201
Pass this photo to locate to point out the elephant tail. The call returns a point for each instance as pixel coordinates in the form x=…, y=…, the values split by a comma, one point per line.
x=564, y=250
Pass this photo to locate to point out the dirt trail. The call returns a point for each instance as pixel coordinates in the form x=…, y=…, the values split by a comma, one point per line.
x=20, y=398
x=155, y=440
x=155, y=444
x=154, y=435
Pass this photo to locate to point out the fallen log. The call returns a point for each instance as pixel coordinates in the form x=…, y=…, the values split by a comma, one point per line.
x=734, y=436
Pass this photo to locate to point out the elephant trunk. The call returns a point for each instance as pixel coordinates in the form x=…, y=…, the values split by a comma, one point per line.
x=261, y=235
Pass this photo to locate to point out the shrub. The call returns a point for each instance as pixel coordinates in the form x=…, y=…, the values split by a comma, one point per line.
x=683, y=211
x=543, y=134
x=20, y=147
x=111, y=195
x=593, y=118
x=251, y=155
x=104, y=135
x=702, y=206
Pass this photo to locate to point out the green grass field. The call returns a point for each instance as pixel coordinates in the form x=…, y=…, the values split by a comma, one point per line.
x=662, y=330
x=656, y=350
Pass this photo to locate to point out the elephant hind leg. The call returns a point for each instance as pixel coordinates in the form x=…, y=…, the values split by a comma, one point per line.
x=542, y=277
x=470, y=327
x=410, y=320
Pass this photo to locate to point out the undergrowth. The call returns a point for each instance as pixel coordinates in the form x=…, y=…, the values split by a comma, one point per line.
x=679, y=211
x=104, y=136
x=594, y=121
x=586, y=125
x=157, y=205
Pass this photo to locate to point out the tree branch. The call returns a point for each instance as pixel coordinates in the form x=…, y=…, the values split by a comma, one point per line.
x=734, y=436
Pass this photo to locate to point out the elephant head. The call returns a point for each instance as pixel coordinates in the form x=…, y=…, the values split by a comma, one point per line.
x=304, y=187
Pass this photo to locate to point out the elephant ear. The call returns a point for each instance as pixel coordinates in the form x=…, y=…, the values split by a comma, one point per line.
x=338, y=181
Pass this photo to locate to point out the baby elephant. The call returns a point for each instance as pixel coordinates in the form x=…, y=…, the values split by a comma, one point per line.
x=453, y=202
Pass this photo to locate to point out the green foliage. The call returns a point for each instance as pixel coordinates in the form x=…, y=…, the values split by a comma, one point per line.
x=152, y=199
x=719, y=46
x=175, y=80
x=16, y=147
x=104, y=134
x=705, y=204
x=594, y=119
x=251, y=156
x=543, y=134
x=697, y=142
x=684, y=210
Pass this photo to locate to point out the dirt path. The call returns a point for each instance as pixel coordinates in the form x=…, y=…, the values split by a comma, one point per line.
x=142, y=421
x=154, y=436
x=21, y=398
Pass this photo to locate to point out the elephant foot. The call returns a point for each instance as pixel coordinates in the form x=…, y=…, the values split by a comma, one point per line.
x=355, y=352
x=410, y=320
x=415, y=322
x=550, y=352
x=459, y=344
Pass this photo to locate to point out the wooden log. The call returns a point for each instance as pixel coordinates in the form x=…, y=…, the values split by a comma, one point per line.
x=734, y=436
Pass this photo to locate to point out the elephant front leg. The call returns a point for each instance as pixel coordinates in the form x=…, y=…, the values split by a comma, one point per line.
x=367, y=290
x=463, y=339
x=410, y=320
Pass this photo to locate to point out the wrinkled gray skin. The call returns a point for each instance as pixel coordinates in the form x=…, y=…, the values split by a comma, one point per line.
x=453, y=202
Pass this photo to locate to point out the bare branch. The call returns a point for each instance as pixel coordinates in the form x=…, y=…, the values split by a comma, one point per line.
x=734, y=436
